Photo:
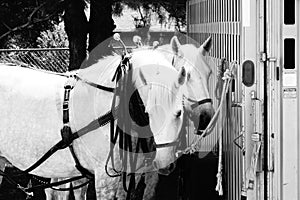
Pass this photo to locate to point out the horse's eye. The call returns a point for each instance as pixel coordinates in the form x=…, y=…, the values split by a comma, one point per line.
x=178, y=114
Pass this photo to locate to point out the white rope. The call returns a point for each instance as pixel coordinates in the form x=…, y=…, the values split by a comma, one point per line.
x=227, y=78
x=219, y=187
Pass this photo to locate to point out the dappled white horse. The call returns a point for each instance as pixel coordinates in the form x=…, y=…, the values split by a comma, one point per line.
x=31, y=113
x=198, y=103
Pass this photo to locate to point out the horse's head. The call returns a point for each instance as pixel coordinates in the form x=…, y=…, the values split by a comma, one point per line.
x=198, y=102
x=161, y=89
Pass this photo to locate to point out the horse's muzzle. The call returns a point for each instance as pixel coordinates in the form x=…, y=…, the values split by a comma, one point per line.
x=165, y=171
x=204, y=119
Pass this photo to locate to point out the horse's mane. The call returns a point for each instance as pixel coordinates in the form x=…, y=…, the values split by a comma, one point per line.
x=104, y=66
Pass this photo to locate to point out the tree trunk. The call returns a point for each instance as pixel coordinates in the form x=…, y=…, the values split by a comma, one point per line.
x=101, y=26
x=76, y=29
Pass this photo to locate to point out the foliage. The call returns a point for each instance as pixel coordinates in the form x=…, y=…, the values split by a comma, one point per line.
x=166, y=11
x=56, y=37
x=23, y=20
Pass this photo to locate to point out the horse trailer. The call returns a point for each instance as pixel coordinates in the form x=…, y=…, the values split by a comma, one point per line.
x=261, y=142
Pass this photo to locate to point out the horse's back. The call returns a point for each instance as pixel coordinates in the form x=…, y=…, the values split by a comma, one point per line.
x=30, y=113
x=28, y=81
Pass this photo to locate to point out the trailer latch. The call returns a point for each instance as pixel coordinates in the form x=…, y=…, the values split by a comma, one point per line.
x=256, y=137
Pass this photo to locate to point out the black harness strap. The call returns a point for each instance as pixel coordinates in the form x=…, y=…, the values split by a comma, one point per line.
x=86, y=173
x=113, y=140
x=56, y=147
x=197, y=103
x=168, y=144
x=14, y=183
x=97, y=123
x=73, y=187
x=68, y=137
x=50, y=185
x=101, y=87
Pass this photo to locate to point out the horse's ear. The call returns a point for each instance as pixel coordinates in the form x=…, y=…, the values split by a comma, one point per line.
x=143, y=79
x=182, y=76
x=206, y=46
x=175, y=44
x=137, y=40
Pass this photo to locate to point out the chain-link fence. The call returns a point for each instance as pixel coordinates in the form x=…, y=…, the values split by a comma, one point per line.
x=52, y=59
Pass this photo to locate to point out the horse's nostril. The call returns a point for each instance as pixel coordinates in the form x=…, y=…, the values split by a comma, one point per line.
x=204, y=120
x=171, y=167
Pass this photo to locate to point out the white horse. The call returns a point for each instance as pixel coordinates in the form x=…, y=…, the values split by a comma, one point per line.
x=31, y=114
x=198, y=103
x=79, y=194
x=199, y=110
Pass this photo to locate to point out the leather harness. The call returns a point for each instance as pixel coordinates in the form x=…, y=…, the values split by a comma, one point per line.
x=68, y=136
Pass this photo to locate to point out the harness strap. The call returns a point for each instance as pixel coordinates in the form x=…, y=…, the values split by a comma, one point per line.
x=14, y=183
x=73, y=187
x=113, y=140
x=67, y=136
x=50, y=185
x=29, y=190
x=97, y=123
x=67, y=139
x=113, y=136
x=66, y=132
x=167, y=144
x=56, y=147
x=101, y=87
x=86, y=173
x=140, y=188
x=196, y=103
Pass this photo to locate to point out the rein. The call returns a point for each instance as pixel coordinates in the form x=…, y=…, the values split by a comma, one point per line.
x=67, y=138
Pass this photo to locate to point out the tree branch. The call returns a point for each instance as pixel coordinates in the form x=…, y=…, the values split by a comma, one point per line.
x=142, y=16
x=6, y=26
x=30, y=21
x=35, y=11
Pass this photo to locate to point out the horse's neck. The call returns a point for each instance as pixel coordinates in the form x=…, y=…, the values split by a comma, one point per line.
x=102, y=71
x=89, y=103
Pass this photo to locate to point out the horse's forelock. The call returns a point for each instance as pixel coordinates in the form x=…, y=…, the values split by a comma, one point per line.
x=160, y=95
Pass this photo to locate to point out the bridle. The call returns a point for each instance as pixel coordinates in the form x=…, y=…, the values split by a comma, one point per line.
x=195, y=103
x=193, y=106
x=198, y=103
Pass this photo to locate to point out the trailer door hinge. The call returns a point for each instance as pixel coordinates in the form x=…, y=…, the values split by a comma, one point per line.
x=263, y=57
x=272, y=59
x=256, y=137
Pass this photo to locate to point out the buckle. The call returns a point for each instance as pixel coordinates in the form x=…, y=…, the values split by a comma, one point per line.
x=68, y=87
x=65, y=106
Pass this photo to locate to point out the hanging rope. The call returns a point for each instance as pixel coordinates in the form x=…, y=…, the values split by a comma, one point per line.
x=228, y=76
x=225, y=76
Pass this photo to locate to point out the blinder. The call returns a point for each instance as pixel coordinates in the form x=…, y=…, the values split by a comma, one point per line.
x=137, y=110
